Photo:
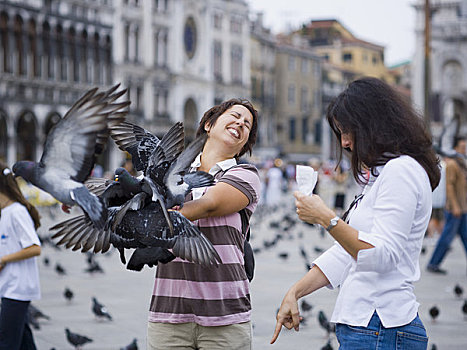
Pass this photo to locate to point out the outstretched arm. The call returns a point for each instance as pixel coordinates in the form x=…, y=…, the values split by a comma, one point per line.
x=219, y=200
x=22, y=254
x=288, y=315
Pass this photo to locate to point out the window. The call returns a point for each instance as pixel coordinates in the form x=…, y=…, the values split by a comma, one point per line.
x=291, y=63
x=126, y=34
x=304, y=98
x=375, y=59
x=161, y=39
x=161, y=96
x=304, y=130
x=161, y=5
x=237, y=60
x=291, y=94
x=292, y=131
x=218, y=20
x=236, y=25
x=217, y=60
x=326, y=57
x=305, y=66
x=347, y=57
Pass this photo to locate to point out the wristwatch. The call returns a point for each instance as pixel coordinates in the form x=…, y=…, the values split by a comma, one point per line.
x=333, y=223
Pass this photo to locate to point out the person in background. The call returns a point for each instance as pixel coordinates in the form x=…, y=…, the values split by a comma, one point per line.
x=456, y=206
x=375, y=259
x=209, y=308
x=19, y=276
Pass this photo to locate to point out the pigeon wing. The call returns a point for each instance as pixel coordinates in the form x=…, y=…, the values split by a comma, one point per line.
x=174, y=175
x=71, y=143
x=135, y=140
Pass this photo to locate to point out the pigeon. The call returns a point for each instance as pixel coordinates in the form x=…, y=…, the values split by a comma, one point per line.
x=164, y=166
x=71, y=149
x=59, y=269
x=306, y=306
x=46, y=261
x=328, y=346
x=458, y=291
x=75, y=339
x=132, y=346
x=142, y=228
x=99, y=310
x=283, y=255
x=434, y=312
x=138, y=224
x=325, y=324
x=303, y=253
x=36, y=313
x=150, y=256
x=464, y=309
x=68, y=294
x=94, y=267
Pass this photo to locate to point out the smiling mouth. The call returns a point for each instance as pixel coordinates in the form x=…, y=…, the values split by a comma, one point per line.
x=234, y=133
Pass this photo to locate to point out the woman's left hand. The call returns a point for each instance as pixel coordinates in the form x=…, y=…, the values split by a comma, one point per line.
x=312, y=209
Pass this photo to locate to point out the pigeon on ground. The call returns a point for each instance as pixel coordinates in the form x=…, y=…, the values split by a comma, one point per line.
x=458, y=291
x=464, y=309
x=283, y=255
x=325, y=324
x=132, y=346
x=46, y=261
x=71, y=149
x=75, y=339
x=68, y=294
x=36, y=313
x=99, y=310
x=59, y=269
x=434, y=312
x=327, y=346
x=306, y=307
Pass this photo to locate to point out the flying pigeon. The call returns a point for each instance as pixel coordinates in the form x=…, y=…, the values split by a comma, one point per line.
x=71, y=149
x=75, y=339
x=99, y=310
x=132, y=221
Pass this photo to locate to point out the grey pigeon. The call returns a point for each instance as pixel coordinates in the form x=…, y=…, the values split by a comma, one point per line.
x=99, y=310
x=132, y=346
x=71, y=149
x=75, y=339
x=68, y=294
x=135, y=223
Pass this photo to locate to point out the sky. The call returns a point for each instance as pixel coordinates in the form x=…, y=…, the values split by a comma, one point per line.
x=389, y=23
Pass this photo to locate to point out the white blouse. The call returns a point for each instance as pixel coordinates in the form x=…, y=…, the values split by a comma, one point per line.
x=392, y=216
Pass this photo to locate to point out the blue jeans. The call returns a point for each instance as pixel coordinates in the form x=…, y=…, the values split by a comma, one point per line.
x=411, y=336
x=15, y=333
x=452, y=226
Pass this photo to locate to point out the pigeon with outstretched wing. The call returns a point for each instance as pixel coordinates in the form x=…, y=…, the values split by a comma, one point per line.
x=71, y=149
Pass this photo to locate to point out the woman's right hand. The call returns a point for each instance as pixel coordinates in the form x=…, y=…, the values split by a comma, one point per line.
x=287, y=316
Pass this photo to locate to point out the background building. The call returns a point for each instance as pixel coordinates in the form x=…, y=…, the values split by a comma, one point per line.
x=50, y=53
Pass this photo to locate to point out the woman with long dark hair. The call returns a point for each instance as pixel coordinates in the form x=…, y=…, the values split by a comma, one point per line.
x=375, y=259
x=19, y=276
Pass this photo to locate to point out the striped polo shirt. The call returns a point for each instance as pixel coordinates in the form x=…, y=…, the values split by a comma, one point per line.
x=211, y=296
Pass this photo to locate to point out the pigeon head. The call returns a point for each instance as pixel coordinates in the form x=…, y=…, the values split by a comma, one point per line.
x=24, y=168
x=121, y=173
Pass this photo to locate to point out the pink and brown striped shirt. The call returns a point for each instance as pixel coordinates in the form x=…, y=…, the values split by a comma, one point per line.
x=210, y=296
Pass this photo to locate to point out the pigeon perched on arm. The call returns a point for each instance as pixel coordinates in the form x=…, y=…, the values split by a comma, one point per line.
x=71, y=149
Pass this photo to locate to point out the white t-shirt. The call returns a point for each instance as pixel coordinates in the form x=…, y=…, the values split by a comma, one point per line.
x=392, y=216
x=19, y=280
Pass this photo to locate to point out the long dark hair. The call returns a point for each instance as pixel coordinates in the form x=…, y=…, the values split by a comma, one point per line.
x=383, y=126
x=215, y=112
x=10, y=188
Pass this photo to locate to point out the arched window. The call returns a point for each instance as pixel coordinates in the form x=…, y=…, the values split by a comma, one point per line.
x=5, y=45
x=34, y=59
x=61, y=55
x=3, y=137
x=52, y=119
x=26, y=137
x=46, y=51
x=19, y=46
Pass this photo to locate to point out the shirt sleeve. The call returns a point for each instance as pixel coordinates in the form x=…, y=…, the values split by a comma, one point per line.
x=334, y=263
x=24, y=228
x=245, y=180
x=393, y=212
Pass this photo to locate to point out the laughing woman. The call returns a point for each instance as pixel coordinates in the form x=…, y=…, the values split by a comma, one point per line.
x=375, y=259
x=196, y=307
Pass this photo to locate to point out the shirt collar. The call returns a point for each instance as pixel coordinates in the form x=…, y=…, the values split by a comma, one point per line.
x=223, y=165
